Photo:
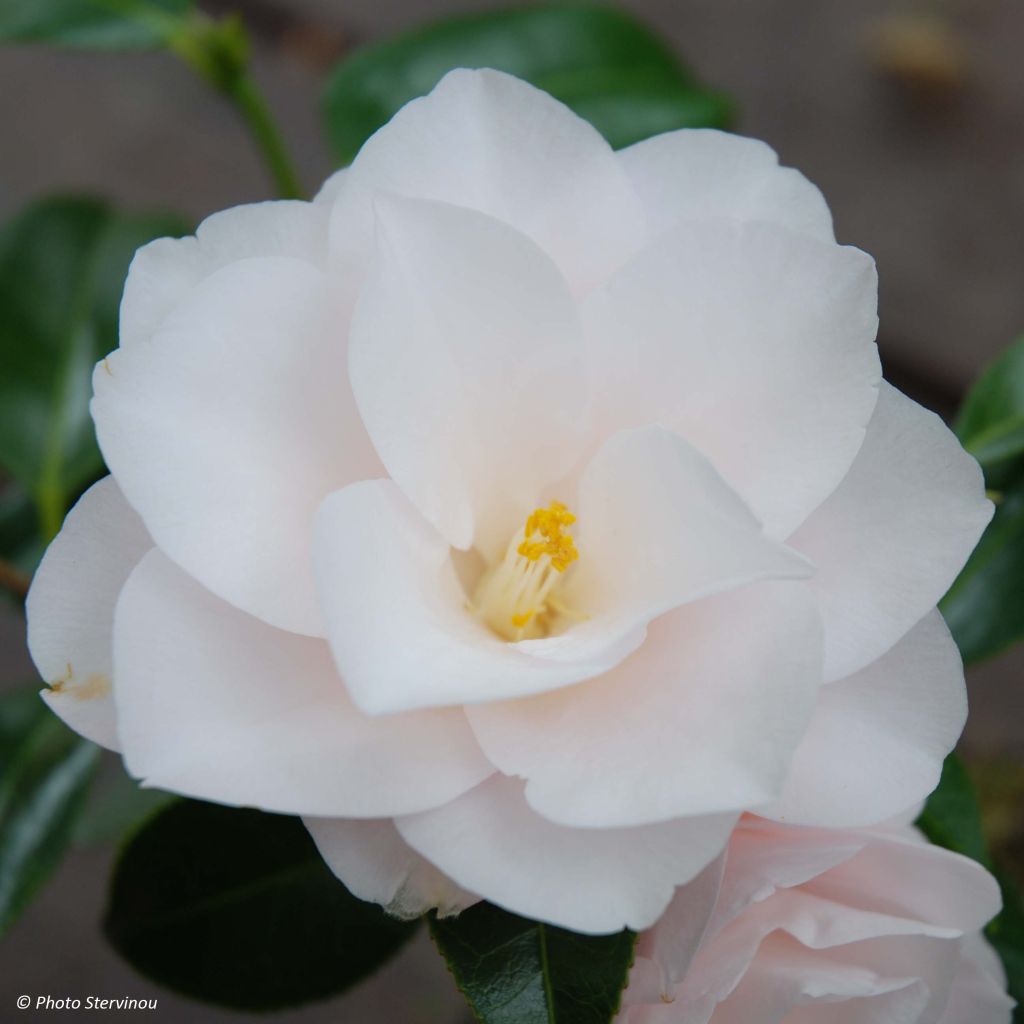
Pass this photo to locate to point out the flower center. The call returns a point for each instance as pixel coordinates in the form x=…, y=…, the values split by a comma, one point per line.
x=515, y=597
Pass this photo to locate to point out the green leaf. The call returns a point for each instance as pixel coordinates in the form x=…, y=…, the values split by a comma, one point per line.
x=951, y=817
x=515, y=971
x=236, y=907
x=92, y=24
x=62, y=267
x=991, y=422
x=45, y=771
x=985, y=606
x=602, y=62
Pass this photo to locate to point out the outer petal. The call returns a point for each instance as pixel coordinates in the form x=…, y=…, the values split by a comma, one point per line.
x=166, y=270
x=491, y=142
x=894, y=535
x=692, y=723
x=215, y=704
x=785, y=977
x=699, y=174
x=978, y=993
x=70, y=608
x=592, y=881
x=466, y=364
x=376, y=864
x=227, y=429
x=755, y=344
x=397, y=620
x=877, y=739
x=899, y=874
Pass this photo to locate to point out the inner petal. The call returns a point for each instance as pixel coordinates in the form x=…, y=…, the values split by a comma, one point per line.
x=516, y=596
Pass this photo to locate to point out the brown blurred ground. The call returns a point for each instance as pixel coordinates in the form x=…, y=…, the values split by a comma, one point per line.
x=913, y=129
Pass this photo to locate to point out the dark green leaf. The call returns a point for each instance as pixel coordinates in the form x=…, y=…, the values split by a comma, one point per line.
x=515, y=971
x=952, y=817
x=603, y=63
x=45, y=772
x=236, y=907
x=985, y=606
x=991, y=422
x=62, y=267
x=92, y=24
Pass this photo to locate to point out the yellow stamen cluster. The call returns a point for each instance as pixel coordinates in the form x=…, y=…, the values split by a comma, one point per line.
x=514, y=596
x=558, y=545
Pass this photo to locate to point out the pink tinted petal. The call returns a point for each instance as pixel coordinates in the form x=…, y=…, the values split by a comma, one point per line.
x=894, y=535
x=228, y=427
x=699, y=174
x=692, y=723
x=590, y=880
x=376, y=864
x=213, y=703
x=70, y=608
x=877, y=739
x=493, y=143
x=166, y=270
x=466, y=364
x=755, y=344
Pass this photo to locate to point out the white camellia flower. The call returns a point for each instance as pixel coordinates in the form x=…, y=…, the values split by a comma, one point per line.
x=822, y=926
x=519, y=513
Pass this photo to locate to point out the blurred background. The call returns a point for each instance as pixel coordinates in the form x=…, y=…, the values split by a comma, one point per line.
x=908, y=116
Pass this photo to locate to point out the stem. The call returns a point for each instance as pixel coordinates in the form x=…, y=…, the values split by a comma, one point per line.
x=218, y=52
x=256, y=114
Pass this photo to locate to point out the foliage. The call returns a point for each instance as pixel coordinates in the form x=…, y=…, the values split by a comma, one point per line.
x=237, y=907
x=601, y=62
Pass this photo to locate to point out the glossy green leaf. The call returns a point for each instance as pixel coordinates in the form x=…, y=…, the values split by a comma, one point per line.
x=991, y=422
x=62, y=267
x=92, y=24
x=45, y=771
x=515, y=971
x=985, y=606
x=236, y=907
x=602, y=62
x=952, y=816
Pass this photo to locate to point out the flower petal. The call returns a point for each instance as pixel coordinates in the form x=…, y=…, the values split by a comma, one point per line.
x=167, y=269
x=894, y=535
x=877, y=739
x=692, y=723
x=658, y=527
x=215, y=704
x=700, y=174
x=752, y=342
x=590, y=880
x=70, y=608
x=397, y=620
x=466, y=364
x=377, y=864
x=488, y=141
x=228, y=427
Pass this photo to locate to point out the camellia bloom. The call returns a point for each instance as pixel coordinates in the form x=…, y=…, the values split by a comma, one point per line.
x=806, y=925
x=517, y=512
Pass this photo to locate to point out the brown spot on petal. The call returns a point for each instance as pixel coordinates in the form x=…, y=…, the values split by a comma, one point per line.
x=96, y=685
